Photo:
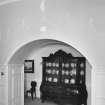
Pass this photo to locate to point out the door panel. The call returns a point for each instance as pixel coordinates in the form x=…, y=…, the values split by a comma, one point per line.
x=99, y=87
x=3, y=85
x=16, y=77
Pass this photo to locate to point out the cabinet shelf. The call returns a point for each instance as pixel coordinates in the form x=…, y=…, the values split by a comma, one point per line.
x=63, y=78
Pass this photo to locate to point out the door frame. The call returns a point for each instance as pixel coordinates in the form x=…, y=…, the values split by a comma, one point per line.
x=11, y=84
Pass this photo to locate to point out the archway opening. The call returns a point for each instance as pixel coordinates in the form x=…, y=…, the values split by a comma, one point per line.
x=36, y=50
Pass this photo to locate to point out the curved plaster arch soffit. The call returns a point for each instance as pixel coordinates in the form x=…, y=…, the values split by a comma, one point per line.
x=40, y=44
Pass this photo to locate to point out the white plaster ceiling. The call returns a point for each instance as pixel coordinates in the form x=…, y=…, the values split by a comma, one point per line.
x=83, y=22
x=4, y=2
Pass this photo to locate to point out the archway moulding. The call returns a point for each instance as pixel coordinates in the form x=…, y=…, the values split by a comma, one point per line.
x=43, y=41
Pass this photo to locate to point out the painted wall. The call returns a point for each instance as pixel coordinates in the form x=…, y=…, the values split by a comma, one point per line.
x=81, y=22
x=37, y=56
x=45, y=51
x=37, y=49
x=78, y=23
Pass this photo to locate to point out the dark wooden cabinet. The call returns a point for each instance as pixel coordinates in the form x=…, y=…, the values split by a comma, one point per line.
x=63, y=79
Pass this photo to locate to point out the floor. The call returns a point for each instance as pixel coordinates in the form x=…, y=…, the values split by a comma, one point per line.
x=37, y=101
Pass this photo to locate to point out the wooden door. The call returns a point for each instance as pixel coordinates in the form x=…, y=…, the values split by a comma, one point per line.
x=16, y=85
x=98, y=87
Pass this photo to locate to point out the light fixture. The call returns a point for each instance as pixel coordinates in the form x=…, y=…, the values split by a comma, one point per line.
x=43, y=28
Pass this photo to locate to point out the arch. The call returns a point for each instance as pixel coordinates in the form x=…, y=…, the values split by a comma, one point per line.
x=22, y=52
x=43, y=43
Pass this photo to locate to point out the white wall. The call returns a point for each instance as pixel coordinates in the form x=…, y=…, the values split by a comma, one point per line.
x=37, y=56
x=44, y=52
x=78, y=23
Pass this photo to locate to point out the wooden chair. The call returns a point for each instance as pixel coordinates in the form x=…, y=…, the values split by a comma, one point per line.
x=32, y=90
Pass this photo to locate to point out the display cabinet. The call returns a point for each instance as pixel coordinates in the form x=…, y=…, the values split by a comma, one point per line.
x=63, y=79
